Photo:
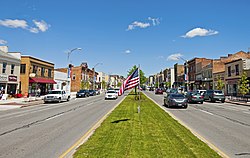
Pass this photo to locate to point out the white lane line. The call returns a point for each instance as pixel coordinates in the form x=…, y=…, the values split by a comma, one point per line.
x=206, y=112
x=53, y=117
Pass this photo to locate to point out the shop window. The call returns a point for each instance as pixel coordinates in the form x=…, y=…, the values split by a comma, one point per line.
x=237, y=70
x=12, y=68
x=229, y=71
x=22, y=68
x=4, y=68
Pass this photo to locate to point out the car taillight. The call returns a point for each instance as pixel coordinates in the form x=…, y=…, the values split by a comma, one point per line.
x=202, y=96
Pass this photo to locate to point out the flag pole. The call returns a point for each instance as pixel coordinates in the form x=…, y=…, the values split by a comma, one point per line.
x=139, y=105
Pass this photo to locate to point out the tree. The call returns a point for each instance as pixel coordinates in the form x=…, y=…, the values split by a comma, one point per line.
x=243, y=84
x=168, y=84
x=220, y=84
x=119, y=84
x=104, y=85
x=143, y=79
x=85, y=85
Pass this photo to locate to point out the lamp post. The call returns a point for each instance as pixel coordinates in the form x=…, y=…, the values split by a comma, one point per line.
x=69, y=68
x=94, y=75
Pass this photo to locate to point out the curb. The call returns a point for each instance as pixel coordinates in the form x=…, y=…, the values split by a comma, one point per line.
x=237, y=103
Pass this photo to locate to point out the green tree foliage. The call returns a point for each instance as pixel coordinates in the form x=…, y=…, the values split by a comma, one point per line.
x=119, y=84
x=85, y=85
x=220, y=84
x=104, y=85
x=168, y=84
x=244, y=84
x=143, y=79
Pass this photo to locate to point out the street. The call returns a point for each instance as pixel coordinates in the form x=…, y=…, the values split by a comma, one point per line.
x=225, y=125
x=48, y=130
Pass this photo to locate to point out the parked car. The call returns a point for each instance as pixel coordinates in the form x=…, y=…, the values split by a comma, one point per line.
x=117, y=90
x=151, y=88
x=194, y=97
x=214, y=95
x=92, y=92
x=111, y=94
x=158, y=91
x=56, y=96
x=201, y=92
x=98, y=92
x=175, y=99
x=172, y=90
x=82, y=93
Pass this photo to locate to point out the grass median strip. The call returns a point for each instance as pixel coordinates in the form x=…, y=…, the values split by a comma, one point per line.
x=150, y=133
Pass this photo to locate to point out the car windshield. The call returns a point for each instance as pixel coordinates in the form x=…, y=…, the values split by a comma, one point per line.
x=91, y=90
x=111, y=92
x=55, y=92
x=177, y=96
x=82, y=91
x=217, y=91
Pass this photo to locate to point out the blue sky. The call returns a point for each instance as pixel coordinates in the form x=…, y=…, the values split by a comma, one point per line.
x=121, y=34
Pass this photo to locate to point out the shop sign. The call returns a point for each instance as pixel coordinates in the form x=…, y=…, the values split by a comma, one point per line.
x=13, y=78
x=3, y=78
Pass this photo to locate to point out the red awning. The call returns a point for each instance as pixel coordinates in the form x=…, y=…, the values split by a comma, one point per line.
x=41, y=80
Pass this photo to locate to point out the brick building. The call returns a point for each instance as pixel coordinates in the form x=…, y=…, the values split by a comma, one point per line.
x=36, y=73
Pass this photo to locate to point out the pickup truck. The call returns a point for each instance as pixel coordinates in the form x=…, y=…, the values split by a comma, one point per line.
x=56, y=96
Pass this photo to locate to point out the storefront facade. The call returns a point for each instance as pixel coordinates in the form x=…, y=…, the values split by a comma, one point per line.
x=36, y=74
x=9, y=72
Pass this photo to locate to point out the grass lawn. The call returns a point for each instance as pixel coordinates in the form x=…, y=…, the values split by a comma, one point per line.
x=152, y=133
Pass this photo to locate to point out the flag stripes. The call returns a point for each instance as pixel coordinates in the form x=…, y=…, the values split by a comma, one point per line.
x=132, y=81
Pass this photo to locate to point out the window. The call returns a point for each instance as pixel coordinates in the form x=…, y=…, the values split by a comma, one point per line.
x=43, y=70
x=4, y=68
x=12, y=68
x=74, y=77
x=49, y=73
x=34, y=69
x=22, y=68
x=237, y=70
x=229, y=71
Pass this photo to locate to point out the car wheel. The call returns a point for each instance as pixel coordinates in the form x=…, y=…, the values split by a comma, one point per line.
x=68, y=98
x=223, y=101
x=45, y=102
x=201, y=102
x=185, y=106
x=59, y=101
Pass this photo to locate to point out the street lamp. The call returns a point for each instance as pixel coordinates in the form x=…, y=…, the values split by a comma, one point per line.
x=94, y=75
x=69, y=67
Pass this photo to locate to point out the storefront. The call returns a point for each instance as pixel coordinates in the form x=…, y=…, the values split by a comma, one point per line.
x=232, y=87
x=8, y=84
x=44, y=84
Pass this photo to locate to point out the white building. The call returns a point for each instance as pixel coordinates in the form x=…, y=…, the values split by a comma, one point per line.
x=61, y=81
x=100, y=78
x=9, y=70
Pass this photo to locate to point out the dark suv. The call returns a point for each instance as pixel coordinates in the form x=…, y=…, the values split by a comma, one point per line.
x=214, y=95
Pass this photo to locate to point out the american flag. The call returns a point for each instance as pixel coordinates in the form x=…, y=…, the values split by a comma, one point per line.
x=132, y=81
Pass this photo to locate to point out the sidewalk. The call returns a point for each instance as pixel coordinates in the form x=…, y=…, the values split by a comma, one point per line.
x=24, y=102
x=243, y=103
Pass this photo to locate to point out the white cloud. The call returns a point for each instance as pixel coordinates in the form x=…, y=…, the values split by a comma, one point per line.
x=128, y=51
x=155, y=21
x=199, y=32
x=41, y=25
x=14, y=23
x=174, y=57
x=3, y=41
x=137, y=24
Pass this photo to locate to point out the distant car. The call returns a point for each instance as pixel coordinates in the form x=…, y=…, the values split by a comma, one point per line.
x=214, y=95
x=175, y=99
x=56, y=96
x=111, y=94
x=98, y=92
x=194, y=97
x=172, y=90
x=151, y=88
x=92, y=92
x=117, y=90
x=82, y=93
x=201, y=92
x=158, y=91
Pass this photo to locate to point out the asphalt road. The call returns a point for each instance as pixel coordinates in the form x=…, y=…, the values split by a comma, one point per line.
x=48, y=130
x=225, y=125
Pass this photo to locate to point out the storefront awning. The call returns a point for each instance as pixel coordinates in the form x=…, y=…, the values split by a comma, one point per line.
x=41, y=80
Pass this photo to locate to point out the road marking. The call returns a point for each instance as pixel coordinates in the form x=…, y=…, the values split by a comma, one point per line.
x=53, y=117
x=89, y=132
x=206, y=112
x=221, y=153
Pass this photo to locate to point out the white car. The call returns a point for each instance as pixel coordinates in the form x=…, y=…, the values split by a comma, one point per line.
x=56, y=96
x=111, y=94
